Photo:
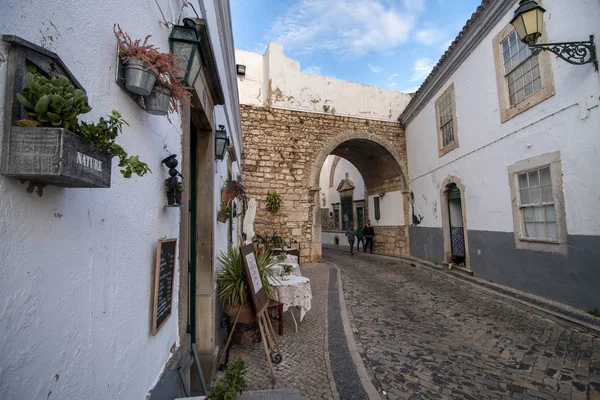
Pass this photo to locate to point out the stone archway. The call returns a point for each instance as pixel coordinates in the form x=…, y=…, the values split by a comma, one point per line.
x=284, y=150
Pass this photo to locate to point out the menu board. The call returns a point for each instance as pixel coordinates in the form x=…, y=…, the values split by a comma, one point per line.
x=163, y=282
x=257, y=291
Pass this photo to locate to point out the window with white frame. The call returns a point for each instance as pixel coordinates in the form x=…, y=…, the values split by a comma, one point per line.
x=539, y=217
x=521, y=68
x=537, y=204
x=445, y=109
x=523, y=79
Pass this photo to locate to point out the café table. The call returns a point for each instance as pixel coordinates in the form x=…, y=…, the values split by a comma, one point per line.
x=294, y=292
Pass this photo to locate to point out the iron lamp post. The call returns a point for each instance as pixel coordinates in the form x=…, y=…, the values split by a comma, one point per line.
x=529, y=24
x=221, y=143
x=185, y=44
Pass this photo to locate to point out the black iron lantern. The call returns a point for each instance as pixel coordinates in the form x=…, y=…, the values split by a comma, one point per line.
x=529, y=24
x=185, y=44
x=221, y=142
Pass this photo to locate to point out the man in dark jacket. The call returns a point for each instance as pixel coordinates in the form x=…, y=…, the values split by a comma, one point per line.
x=369, y=232
x=351, y=235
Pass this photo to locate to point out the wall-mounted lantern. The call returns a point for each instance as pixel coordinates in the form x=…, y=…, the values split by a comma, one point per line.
x=221, y=143
x=240, y=69
x=185, y=44
x=529, y=24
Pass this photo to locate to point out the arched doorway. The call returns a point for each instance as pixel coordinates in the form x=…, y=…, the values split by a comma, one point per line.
x=454, y=223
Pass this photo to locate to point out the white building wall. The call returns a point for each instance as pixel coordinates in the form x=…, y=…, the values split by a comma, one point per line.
x=568, y=122
x=276, y=80
x=78, y=264
x=391, y=209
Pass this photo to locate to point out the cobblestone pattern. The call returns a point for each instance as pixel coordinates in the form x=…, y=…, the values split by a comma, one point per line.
x=423, y=335
x=305, y=362
x=280, y=149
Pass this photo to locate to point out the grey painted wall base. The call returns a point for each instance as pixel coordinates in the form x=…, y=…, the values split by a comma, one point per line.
x=572, y=279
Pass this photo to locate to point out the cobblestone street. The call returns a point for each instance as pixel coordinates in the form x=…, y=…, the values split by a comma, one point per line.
x=426, y=335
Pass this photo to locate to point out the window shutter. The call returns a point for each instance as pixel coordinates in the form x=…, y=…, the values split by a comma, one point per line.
x=377, y=212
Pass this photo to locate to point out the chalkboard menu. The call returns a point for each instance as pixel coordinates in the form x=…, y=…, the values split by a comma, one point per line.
x=163, y=282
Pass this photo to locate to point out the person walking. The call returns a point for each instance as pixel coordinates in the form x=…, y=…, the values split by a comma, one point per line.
x=351, y=234
x=368, y=232
x=360, y=237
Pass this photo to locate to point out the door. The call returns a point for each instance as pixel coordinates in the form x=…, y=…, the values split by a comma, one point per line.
x=457, y=233
x=347, y=213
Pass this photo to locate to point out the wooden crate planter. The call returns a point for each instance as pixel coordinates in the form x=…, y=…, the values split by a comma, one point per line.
x=56, y=156
x=52, y=156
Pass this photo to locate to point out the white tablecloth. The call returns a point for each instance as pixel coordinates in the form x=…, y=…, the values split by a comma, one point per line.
x=293, y=293
x=277, y=269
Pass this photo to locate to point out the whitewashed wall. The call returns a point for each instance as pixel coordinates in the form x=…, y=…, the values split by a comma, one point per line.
x=276, y=80
x=77, y=264
x=569, y=121
x=391, y=210
x=343, y=167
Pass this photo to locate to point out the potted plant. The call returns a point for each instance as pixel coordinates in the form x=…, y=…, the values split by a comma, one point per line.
x=139, y=59
x=83, y=158
x=231, y=384
x=273, y=202
x=231, y=190
x=152, y=74
x=224, y=212
x=287, y=271
x=232, y=286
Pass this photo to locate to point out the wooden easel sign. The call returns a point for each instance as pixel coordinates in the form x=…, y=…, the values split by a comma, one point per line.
x=259, y=298
x=164, y=272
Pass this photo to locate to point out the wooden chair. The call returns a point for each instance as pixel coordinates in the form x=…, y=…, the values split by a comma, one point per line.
x=275, y=305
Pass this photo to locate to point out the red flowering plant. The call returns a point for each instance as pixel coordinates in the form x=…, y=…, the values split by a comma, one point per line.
x=167, y=65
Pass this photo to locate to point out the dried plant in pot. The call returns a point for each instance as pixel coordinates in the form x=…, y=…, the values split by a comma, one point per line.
x=169, y=93
x=139, y=59
x=224, y=212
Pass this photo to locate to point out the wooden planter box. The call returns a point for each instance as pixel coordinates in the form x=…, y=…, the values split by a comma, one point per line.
x=55, y=156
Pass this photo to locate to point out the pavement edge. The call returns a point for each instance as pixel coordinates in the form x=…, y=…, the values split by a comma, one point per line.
x=361, y=370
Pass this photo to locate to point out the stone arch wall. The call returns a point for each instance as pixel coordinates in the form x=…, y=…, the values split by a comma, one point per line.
x=284, y=150
x=334, y=164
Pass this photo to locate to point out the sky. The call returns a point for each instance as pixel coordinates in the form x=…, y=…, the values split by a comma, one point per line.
x=392, y=44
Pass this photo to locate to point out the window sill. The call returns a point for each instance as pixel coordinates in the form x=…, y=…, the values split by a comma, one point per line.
x=448, y=148
x=539, y=240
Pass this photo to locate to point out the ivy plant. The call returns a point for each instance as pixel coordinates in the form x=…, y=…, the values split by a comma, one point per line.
x=103, y=135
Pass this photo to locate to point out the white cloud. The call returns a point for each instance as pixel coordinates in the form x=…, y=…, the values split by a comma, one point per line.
x=392, y=76
x=421, y=69
x=344, y=27
x=375, y=68
x=416, y=5
x=392, y=85
x=313, y=69
x=429, y=36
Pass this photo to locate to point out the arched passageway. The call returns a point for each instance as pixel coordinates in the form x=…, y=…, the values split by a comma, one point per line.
x=284, y=151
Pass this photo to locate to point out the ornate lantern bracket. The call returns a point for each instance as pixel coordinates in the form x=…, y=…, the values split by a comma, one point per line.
x=576, y=53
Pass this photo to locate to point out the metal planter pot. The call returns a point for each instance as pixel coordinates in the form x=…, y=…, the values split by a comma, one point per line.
x=139, y=77
x=157, y=103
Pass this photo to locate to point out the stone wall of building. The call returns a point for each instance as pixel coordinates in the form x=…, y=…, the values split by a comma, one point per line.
x=281, y=147
x=391, y=240
x=327, y=222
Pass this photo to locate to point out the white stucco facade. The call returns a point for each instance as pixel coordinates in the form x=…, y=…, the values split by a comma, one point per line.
x=343, y=167
x=275, y=80
x=567, y=121
x=78, y=264
x=564, y=124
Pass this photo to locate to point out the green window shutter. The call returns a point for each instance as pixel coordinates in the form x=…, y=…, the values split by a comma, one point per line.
x=377, y=212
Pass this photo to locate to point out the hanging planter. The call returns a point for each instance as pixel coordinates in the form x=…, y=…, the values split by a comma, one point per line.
x=224, y=212
x=140, y=77
x=273, y=202
x=157, y=103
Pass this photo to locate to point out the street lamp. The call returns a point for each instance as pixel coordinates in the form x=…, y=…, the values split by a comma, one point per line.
x=221, y=142
x=185, y=44
x=529, y=24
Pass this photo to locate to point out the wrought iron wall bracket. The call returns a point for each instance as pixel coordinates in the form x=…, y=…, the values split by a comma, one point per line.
x=577, y=53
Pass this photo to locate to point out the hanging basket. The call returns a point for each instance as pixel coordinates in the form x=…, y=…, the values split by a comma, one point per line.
x=158, y=101
x=222, y=217
x=139, y=77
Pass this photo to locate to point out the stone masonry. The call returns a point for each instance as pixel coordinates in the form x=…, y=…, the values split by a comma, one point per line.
x=284, y=150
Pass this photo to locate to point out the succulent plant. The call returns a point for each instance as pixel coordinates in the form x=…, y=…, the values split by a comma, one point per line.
x=53, y=102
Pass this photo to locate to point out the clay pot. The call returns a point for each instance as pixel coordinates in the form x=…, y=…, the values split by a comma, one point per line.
x=246, y=316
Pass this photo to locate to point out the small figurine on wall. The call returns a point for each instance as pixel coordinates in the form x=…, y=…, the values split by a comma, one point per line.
x=173, y=184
